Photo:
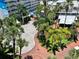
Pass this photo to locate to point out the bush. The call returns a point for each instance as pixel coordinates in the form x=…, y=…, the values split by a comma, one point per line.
x=73, y=54
x=51, y=57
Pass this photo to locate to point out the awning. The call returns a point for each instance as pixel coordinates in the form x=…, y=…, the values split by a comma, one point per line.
x=69, y=19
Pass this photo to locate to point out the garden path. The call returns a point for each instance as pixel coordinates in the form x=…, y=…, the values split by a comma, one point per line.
x=62, y=54
x=38, y=52
x=28, y=35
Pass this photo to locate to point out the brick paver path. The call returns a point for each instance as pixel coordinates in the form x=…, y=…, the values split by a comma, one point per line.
x=61, y=54
x=38, y=52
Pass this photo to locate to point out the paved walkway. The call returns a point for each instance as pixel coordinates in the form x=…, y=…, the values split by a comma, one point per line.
x=38, y=52
x=28, y=35
x=62, y=54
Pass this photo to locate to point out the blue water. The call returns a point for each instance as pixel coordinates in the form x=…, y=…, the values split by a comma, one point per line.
x=3, y=5
x=3, y=8
x=1, y=0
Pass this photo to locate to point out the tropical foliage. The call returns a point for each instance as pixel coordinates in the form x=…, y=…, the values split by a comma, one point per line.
x=51, y=35
x=66, y=7
x=52, y=57
x=47, y=13
x=5, y=49
x=57, y=38
x=21, y=43
x=73, y=54
x=10, y=32
x=13, y=30
x=22, y=13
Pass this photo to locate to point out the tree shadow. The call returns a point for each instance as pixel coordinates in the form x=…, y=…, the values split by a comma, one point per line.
x=54, y=49
x=75, y=38
x=42, y=38
x=26, y=20
x=63, y=45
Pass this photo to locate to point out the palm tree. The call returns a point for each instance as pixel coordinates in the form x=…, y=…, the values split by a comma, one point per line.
x=5, y=48
x=39, y=8
x=22, y=11
x=56, y=37
x=49, y=14
x=21, y=43
x=45, y=7
x=6, y=52
x=52, y=57
x=13, y=30
x=68, y=3
x=77, y=11
x=1, y=32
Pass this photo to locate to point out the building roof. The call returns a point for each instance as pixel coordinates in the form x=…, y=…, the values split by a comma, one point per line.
x=69, y=19
x=75, y=3
x=60, y=1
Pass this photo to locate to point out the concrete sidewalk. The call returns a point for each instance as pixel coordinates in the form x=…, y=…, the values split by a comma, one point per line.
x=28, y=35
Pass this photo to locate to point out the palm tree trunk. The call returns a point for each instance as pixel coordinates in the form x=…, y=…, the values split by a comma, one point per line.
x=76, y=15
x=1, y=45
x=65, y=18
x=45, y=7
x=13, y=48
x=67, y=8
x=22, y=20
x=20, y=53
x=77, y=10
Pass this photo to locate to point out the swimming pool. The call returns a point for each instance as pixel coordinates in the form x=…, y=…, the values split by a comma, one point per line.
x=3, y=10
